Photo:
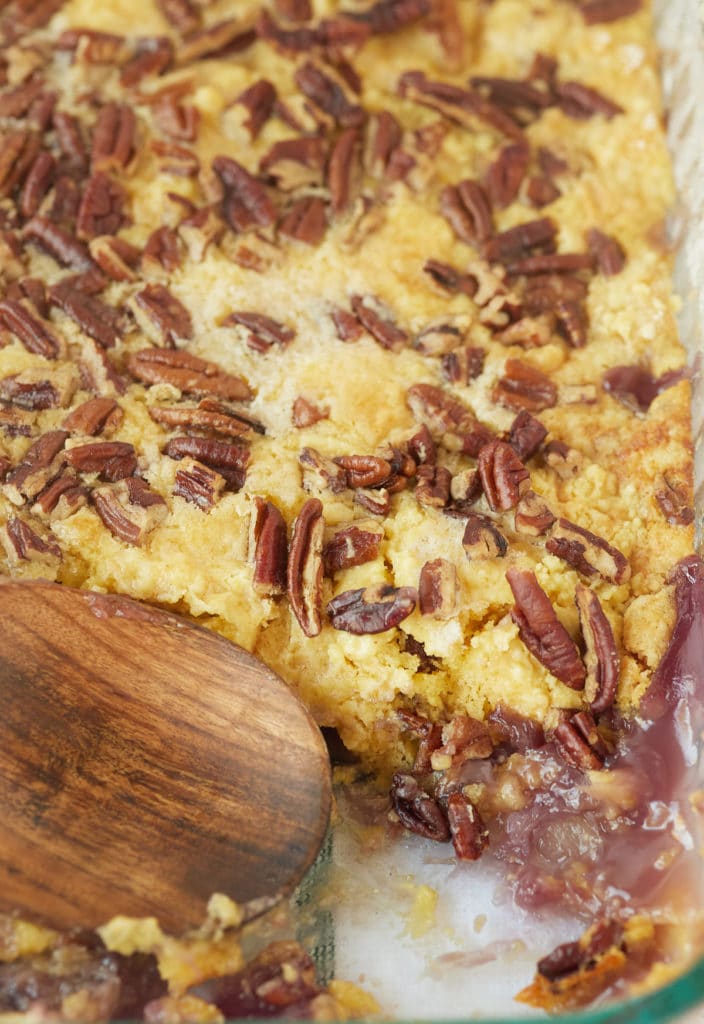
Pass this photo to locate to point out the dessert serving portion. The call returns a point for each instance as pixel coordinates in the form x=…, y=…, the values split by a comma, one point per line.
x=348, y=331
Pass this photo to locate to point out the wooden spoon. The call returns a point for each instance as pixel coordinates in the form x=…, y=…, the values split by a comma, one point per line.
x=145, y=763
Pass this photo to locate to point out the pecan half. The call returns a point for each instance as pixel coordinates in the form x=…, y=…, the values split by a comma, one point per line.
x=187, y=372
x=579, y=743
x=264, y=332
x=95, y=416
x=470, y=836
x=23, y=544
x=343, y=169
x=175, y=159
x=305, y=221
x=114, y=137
x=61, y=498
x=504, y=477
x=433, y=487
x=587, y=552
x=449, y=278
x=371, y=609
x=115, y=257
x=37, y=183
x=100, y=321
x=582, y=102
x=526, y=435
x=600, y=657
x=102, y=207
x=542, y=632
x=40, y=464
x=467, y=209
x=246, y=204
x=437, y=589
x=421, y=447
x=35, y=333
x=464, y=106
x=64, y=247
x=182, y=14
x=152, y=56
x=230, y=460
x=295, y=163
x=268, y=548
x=378, y=323
x=607, y=251
x=364, y=470
x=518, y=242
x=111, y=460
x=523, y=386
x=129, y=509
x=198, y=484
x=675, y=502
x=464, y=364
x=384, y=135
x=305, y=567
x=166, y=312
x=598, y=11
x=229, y=36
x=482, y=539
x=417, y=811
x=258, y=100
x=208, y=415
x=39, y=388
x=162, y=251
x=532, y=516
x=353, y=544
x=328, y=95
x=386, y=16
x=447, y=418
x=505, y=175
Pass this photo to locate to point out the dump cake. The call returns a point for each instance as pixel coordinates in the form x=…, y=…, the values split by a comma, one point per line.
x=348, y=331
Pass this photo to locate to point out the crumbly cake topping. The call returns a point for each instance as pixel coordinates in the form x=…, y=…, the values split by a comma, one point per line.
x=347, y=330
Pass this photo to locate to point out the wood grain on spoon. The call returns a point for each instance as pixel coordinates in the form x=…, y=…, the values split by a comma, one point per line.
x=145, y=763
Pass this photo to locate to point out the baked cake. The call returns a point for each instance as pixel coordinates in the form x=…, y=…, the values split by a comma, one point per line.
x=347, y=330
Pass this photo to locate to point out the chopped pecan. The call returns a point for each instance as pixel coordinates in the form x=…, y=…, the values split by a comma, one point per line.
x=521, y=240
x=541, y=190
x=598, y=11
x=268, y=548
x=587, y=552
x=437, y=589
x=230, y=460
x=198, y=484
x=542, y=632
x=129, y=509
x=15, y=102
x=600, y=657
x=305, y=221
x=523, y=99
x=19, y=151
x=378, y=323
x=40, y=464
x=377, y=501
x=175, y=159
x=470, y=835
x=572, y=322
x=384, y=134
x=636, y=387
x=208, y=415
x=675, y=502
x=22, y=543
x=467, y=209
x=98, y=320
x=429, y=734
x=63, y=212
x=417, y=811
x=295, y=163
x=305, y=567
x=347, y=326
x=102, y=208
x=447, y=418
x=306, y=414
x=465, y=489
x=162, y=250
x=505, y=175
x=115, y=257
x=111, y=460
x=581, y=102
x=449, y=278
x=70, y=139
x=579, y=743
x=114, y=137
x=37, y=183
x=231, y=35
x=182, y=14
x=98, y=371
x=386, y=16
x=504, y=477
x=482, y=539
x=364, y=470
x=371, y=609
x=40, y=389
x=152, y=56
x=166, y=312
x=551, y=263
x=174, y=118
x=421, y=447
x=263, y=331
x=353, y=544
x=464, y=106
x=64, y=247
x=14, y=422
x=607, y=252
x=528, y=332
x=35, y=333
x=433, y=487
x=60, y=498
x=327, y=94
x=532, y=516
x=246, y=204
x=321, y=472
x=294, y=10
x=95, y=416
x=523, y=386
x=343, y=168
x=439, y=339
x=187, y=372
x=526, y=435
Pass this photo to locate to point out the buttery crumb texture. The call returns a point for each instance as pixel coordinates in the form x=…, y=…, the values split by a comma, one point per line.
x=347, y=330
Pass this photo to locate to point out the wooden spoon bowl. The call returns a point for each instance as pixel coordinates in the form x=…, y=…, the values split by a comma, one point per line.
x=145, y=763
